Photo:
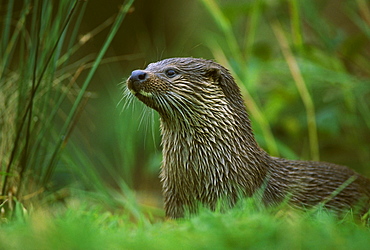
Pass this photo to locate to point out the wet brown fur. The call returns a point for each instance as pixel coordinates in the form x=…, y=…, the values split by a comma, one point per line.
x=209, y=151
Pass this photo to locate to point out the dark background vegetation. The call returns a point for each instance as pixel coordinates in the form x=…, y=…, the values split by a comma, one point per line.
x=329, y=39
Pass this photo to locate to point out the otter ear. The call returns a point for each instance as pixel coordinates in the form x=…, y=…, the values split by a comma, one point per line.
x=214, y=73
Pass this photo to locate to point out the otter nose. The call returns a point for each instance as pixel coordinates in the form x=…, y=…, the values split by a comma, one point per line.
x=138, y=75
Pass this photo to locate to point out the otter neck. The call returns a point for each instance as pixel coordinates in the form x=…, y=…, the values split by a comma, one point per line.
x=211, y=156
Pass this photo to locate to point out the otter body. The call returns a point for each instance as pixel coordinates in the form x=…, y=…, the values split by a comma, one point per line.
x=209, y=151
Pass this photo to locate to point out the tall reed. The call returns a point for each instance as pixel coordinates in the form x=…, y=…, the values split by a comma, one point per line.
x=41, y=95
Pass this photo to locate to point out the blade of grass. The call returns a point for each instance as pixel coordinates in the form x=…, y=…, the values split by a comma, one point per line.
x=27, y=109
x=361, y=16
x=295, y=24
x=364, y=10
x=250, y=34
x=7, y=24
x=334, y=193
x=302, y=89
x=12, y=42
x=24, y=157
x=64, y=131
x=225, y=25
x=84, y=39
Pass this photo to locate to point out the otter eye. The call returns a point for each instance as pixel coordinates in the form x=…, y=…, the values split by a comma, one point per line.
x=170, y=73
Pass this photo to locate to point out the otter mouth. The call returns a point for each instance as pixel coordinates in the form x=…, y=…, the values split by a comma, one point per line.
x=145, y=97
x=140, y=93
x=136, y=89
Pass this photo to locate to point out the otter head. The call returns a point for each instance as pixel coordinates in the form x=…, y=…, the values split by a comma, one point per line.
x=209, y=151
x=187, y=89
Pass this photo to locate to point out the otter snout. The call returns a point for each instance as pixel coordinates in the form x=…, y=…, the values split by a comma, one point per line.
x=137, y=78
x=138, y=75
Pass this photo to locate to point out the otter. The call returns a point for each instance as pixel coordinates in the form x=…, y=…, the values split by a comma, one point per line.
x=210, y=153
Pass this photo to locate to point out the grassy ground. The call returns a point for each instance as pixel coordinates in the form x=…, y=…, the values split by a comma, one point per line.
x=70, y=159
x=245, y=227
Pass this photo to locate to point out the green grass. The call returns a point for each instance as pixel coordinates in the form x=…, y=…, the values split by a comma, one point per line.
x=83, y=226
